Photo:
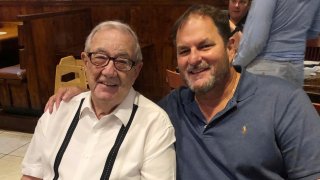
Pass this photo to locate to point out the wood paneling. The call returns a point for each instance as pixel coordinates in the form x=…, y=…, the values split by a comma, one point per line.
x=152, y=20
x=41, y=37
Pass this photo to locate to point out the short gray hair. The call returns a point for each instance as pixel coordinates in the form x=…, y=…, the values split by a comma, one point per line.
x=115, y=25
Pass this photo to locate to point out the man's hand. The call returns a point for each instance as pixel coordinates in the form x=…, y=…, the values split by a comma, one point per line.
x=24, y=177
x=63, y=94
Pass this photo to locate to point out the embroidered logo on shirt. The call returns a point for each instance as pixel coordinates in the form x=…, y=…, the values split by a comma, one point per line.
x=244, y=130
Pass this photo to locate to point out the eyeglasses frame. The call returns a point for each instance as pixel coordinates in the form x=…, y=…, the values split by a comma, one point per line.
x=110, y=58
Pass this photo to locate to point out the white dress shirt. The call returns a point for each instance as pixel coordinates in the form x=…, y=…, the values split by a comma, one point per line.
x=147, y=151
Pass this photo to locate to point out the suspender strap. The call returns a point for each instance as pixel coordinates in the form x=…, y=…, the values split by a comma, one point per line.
x=114, y=150
x=66, y=141
x=112, y=154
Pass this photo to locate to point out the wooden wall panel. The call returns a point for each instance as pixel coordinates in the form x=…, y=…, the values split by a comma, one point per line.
x=151, y=19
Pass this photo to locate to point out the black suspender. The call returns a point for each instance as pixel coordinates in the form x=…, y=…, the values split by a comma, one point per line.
x=114, y=151
x=66, y=141
x=112, y=154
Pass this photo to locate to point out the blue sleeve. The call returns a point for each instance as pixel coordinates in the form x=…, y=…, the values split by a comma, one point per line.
x=314, y=31
x=256, y=31
x=298, y=136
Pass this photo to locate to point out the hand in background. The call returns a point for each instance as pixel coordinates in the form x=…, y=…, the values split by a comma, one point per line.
x=63, y=94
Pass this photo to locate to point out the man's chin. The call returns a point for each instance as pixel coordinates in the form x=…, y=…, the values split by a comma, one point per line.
x=200, y=87
x=105, y=93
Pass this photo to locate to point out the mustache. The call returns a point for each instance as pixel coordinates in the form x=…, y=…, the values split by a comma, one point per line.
x=202, y=65
x=108, y=80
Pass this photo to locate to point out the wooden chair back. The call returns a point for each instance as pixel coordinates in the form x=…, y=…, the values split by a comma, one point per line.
x=70, y=72
x=173, y=79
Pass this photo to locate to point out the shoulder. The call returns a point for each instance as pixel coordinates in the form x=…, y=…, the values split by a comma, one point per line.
x=154, y=112
x=267, y=83
x=270, y=90
x=275, y=91
x=64, y=109
x=176, y=96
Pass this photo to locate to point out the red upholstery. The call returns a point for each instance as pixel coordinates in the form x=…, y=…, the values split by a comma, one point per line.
x=317, y=106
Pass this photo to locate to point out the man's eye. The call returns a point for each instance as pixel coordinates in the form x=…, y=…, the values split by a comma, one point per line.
x=123, y=61
x=183, y=52
x=206, y=46
x=101, y=56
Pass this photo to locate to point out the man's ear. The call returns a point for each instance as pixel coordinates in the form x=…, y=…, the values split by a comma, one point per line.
x=231, y=45
x=137, y=69
x=231, y=48
x=84, y=59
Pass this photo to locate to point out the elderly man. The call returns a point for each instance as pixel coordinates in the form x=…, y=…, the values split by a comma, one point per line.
x=229, y=123
x=111, y=132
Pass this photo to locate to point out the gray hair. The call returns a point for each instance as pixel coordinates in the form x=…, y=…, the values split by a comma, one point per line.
x=115, y=25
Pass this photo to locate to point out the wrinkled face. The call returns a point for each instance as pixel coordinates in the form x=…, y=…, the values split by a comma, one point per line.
x=107, y=83
x=203, y=58
x=238, y=9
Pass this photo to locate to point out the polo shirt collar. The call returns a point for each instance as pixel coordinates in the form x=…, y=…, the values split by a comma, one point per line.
x=122, y=111
x=246, y=86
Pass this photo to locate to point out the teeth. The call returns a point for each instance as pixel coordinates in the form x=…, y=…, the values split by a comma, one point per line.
x=108, y=84
x=196, y=70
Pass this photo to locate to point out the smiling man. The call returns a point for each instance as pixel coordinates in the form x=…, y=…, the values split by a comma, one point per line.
x=110, y=132
x=231, y=124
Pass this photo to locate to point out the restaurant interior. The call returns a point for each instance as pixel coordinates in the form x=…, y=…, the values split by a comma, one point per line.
x=41, y=40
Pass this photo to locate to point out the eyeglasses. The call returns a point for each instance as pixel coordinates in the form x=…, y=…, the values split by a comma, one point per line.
x=101, y=60
x=241, y=2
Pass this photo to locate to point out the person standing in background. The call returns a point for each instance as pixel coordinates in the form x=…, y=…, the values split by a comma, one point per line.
x=238, y=11
x=274, y=37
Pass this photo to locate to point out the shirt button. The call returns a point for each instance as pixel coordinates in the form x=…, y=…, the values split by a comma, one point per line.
x=205, y=126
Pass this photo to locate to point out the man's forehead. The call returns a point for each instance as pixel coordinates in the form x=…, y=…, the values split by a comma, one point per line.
x=197, y=23
x=121, y=39
x=194, y=20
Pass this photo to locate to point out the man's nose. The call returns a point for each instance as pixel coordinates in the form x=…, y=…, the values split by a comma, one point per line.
x=109, y=69
x=195, y=57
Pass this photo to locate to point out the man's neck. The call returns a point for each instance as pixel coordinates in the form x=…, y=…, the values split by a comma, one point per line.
x=235, y=21
x=102, y=108
x=216, y=99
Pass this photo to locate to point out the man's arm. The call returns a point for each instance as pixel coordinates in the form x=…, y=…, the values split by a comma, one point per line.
x=32, y=164
x=297, y=131
x=63, y=94
x=256, y=31
x=314, y=31
x=160, y=159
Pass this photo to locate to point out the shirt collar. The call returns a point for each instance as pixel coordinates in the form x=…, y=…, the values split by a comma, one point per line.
x=122, y=111
x=247, y=85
